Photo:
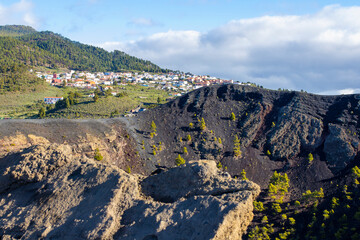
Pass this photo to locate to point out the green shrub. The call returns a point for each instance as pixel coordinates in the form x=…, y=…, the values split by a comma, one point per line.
x=188, y=138
x=310, y=158
x=243, y=175
x=153, y=127
x=97, y=155
x=179, y=160
x=309, y=196
x=202, y=124
x=233, y=117
x=276, y=208
x=258, y=206
x=236, y=149
x=279, y=184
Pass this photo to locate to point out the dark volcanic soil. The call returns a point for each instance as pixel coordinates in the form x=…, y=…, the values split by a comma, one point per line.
x=289, y=125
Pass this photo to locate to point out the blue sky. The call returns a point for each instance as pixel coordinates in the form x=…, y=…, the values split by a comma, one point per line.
x=310, y=45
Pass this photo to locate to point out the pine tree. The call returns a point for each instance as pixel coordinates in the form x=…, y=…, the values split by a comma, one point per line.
x=237, y=151
x=243, y=175
x=179, y=160
x=202, y=124
x=96, y=97
x=67, y=103
x=97, y=155
x=233, y=117
x=185, y=150
x=42, y=112
x=310, y=157
x=153, y=127
x=188, y=138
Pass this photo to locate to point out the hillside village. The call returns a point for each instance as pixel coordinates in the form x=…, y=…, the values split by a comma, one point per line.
x=180, y=83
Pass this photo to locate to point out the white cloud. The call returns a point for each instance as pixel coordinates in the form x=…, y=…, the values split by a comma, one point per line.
x=342, y=91
x=18, y=13
x=317, y=53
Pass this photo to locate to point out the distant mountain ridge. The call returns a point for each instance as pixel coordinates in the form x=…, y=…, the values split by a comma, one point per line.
x=24, y=45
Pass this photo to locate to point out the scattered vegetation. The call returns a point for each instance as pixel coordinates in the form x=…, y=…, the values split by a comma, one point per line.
x=309, y=196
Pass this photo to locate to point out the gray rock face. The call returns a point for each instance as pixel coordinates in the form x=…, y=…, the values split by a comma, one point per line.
x=46, y=193
x=294, y=130
x=251, y=124
x=339, y=148
x=208, y=147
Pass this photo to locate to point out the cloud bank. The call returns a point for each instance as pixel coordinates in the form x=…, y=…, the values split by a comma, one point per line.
x=318, y=53
x=18, y=13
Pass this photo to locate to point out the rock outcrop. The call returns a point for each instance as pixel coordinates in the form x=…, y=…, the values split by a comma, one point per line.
x=294, y=130
x=47, y=193
x=340, y=148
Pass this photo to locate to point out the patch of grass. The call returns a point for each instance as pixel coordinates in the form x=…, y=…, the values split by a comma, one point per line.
x=26, y=104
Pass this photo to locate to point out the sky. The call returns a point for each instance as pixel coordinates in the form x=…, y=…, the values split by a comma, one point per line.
x=298, y=45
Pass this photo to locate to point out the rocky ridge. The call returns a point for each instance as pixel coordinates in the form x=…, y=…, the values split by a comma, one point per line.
x=277, y=131
x=47, y=192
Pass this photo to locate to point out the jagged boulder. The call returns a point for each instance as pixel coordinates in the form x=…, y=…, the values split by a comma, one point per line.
x=50, y=194
x=196, y=178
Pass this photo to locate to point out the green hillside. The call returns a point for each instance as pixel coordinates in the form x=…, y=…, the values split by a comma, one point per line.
x=24, y=45
x=63, y=52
